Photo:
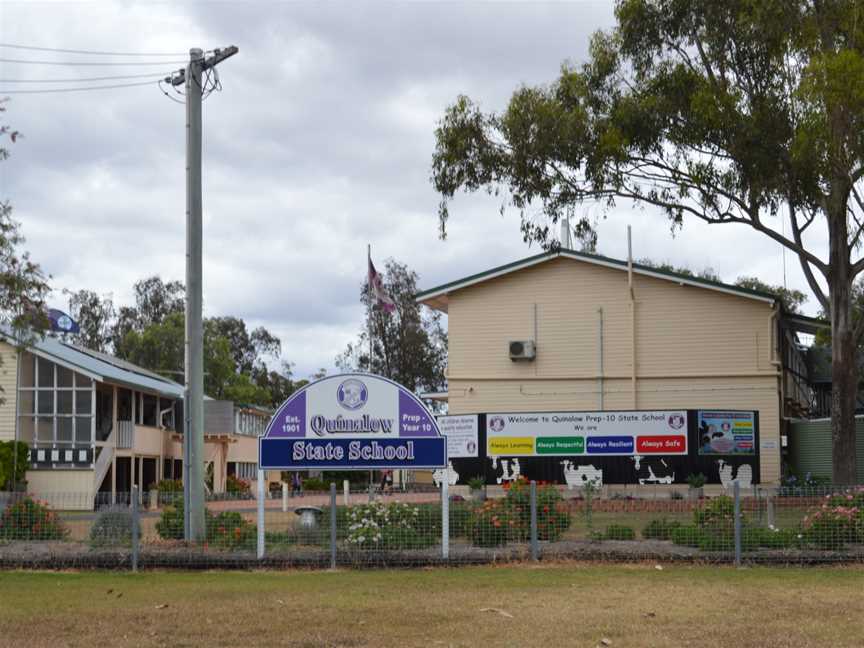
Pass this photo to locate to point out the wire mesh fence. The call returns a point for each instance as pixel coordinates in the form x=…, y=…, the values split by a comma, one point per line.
x=407, y=527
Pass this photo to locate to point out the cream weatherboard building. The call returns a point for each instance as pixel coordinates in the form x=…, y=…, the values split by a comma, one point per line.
x=95, y=425
x=609, y=336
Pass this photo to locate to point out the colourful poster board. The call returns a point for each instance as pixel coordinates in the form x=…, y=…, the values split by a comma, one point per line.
x=565, y=434
x=724, y=432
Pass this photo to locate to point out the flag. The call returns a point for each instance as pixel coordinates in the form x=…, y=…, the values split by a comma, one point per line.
x=61, y=322
x=376, y=287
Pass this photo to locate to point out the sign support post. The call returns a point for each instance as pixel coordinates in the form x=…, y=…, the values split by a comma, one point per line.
x=261, y=485
x=332, y=525
x=445, y=519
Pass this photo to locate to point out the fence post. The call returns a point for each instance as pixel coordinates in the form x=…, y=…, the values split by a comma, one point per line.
x=261, y=487
x=346, y=491
x=445, y=517
x=736, y=489
x=284, y=497
x=770, y=507
x=135, y=522
x=332, y=525
x=535, y=548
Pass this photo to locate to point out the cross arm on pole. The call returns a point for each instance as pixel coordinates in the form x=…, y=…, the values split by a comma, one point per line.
x=219, y=55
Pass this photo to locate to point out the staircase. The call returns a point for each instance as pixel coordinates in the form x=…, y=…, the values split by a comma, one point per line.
x=103, y=462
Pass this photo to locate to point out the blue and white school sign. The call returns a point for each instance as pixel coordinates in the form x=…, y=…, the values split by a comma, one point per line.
x=352, y=421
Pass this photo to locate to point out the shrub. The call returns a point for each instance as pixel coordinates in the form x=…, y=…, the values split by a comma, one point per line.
x=494, y=524
x=774, y=538
x=170, y=524
x=9, y=463
x=553, y=516
x=28, y=519
x=806, y=486
x=229, y=530
x=392, y=526
x=315, y=484
x=113, y=527
x=696, y=480
x=660, y=529
x=851, y=499
x=619, y=532
x=477, y=483
x=237, y=486
x=688, y=536
x=718, y=510
x=831, y=527
x=460, y=518
x=170, y=490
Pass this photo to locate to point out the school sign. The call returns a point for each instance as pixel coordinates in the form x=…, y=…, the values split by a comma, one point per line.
x=352, y=421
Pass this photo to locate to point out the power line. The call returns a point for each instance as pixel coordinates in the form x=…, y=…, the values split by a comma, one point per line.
x=74, y=63
x=81, y=89
x=150, y=75
x=88, y=52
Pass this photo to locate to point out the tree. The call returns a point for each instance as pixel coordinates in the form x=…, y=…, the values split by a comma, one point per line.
x=666, y=266
x=154, y=301
x=409, y=345
x=23, y=284
x=94, y=316
x=161, y=347
x=734, y=112
x=790, y=298
x=247, y=348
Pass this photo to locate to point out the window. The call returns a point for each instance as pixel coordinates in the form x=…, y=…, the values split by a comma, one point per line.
x=55, y=404
x=148, y=410
x=246, y=470
x=124, y=404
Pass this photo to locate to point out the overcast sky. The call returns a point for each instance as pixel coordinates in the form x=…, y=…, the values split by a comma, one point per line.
x=320, y=143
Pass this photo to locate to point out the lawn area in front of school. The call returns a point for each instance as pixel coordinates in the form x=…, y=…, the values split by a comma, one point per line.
x=567, y=604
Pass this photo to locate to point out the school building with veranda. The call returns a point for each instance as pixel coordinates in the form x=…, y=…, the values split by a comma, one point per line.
x=96, y=425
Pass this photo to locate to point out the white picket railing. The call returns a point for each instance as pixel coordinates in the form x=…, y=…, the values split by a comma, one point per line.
x=125, y=434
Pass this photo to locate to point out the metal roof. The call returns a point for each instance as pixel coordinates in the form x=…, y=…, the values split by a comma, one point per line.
x=99, y=366
x=437, y=297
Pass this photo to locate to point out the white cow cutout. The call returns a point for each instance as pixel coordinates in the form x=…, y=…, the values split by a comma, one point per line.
x=439, y=475
x=578, y=476
x=744, y=475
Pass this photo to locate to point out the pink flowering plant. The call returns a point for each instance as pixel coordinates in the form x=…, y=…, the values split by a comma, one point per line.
x=837, y=522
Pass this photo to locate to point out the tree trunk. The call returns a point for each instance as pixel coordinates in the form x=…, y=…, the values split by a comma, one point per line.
x=844, y=349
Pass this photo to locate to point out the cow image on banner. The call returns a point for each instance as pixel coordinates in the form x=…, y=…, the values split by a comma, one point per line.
x=579, y=476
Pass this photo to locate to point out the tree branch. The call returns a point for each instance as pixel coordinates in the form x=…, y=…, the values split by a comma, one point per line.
x=805, y=265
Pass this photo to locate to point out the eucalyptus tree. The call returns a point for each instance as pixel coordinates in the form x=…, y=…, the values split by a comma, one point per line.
x=742, y=113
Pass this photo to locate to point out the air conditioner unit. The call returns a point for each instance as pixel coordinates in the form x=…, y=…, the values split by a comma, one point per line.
x=522, y=350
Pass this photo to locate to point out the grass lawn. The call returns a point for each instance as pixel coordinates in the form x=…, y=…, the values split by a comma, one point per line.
x=551, y=605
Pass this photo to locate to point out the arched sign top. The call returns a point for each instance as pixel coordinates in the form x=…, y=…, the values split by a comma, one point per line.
x=352, y=420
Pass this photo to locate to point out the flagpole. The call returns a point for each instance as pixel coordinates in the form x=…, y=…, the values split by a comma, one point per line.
x=369, y=365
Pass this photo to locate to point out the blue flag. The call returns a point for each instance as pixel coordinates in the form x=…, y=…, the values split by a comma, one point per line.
x=61, y=322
